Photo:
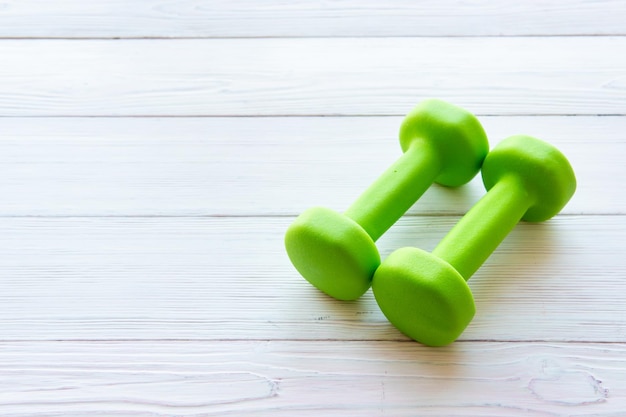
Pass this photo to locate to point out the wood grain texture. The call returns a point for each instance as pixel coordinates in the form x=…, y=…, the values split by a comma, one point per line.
x=253, y=18
x=352, y=76
x=144, y=201
x=306, y=379
x=259, y=166
x=230, y=279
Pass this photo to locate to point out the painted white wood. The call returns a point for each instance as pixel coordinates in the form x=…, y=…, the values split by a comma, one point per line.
x=288, y=378
x=351, y=76
x=259, y=166
x=142, y=269
x=229, y=278
x=253, y=18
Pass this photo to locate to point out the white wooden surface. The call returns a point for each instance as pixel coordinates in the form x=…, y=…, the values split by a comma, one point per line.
x=152, y=154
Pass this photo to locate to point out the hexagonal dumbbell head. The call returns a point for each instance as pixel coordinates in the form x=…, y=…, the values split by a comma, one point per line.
x=336, y=252
x=425, y=295
x=457, y=135
x=544, y=170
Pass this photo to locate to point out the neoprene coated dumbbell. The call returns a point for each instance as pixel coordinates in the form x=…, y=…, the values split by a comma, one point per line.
x=425, y=295
x=336, y=252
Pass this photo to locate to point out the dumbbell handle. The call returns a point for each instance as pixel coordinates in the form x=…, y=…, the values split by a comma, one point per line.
x=395, y=191
x=470, y=242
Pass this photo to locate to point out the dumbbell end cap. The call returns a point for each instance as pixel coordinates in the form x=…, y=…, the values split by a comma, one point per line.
x=545, y=172
x=423, y=296
x=455, y=134
x=332, y=252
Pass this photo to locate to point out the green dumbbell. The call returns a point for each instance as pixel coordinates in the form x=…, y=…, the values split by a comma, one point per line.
x=336, y=253
x=425, y=295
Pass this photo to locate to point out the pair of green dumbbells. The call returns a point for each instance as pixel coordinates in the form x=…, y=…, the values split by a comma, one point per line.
x=425, y=295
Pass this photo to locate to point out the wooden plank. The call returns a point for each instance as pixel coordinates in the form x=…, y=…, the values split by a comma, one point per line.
x=259, y=166
x=229, y=278
x=288, y=378
x=351, y=76
x=252, y=18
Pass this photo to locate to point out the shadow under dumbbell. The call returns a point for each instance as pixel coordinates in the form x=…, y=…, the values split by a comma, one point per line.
x=522, y=272
x=448, y=201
